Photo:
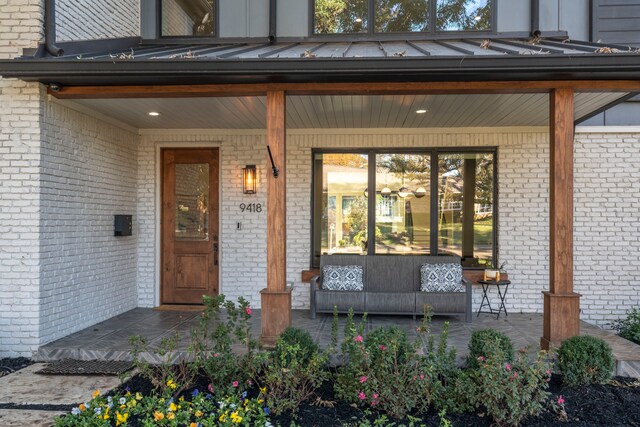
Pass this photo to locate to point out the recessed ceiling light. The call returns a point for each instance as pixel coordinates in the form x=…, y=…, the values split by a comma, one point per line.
x=358, y=20
x=154, y=113
x=421, y=111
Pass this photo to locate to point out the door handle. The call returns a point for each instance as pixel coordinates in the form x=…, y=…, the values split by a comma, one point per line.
x=215, y=254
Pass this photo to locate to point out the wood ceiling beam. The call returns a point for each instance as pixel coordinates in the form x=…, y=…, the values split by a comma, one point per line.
x=389, y=88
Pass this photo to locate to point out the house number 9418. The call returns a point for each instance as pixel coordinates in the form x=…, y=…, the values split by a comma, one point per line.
x=251, y=207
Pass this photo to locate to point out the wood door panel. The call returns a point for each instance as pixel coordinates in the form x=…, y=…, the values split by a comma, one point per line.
x=192, y=272
x=189, y=231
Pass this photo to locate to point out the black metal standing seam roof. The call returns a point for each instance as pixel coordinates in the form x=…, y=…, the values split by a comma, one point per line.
x=393, y=60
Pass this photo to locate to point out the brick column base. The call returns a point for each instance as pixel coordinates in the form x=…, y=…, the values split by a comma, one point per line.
x=561, y=318
x=276, y=314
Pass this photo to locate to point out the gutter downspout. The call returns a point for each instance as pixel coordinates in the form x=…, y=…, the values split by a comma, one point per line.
x=272, y=21
x=535, y=18
x=50, y=28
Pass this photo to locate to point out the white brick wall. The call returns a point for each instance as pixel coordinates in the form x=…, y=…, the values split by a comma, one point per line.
x=20, y=27
x=88, y=174
x=90, y=19
x=243, y=252
x=607, y=225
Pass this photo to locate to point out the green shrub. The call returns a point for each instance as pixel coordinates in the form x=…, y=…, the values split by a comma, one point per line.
x=478, y=346
x=510, y=391
x=291, y=376
x=300, y=337
x=629, y=327
x=585, y=360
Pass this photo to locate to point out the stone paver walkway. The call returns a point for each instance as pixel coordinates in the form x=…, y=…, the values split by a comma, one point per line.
x=26, y=387
x=109, y=340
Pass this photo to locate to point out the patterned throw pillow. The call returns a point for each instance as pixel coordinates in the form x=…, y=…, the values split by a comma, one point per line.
x=342, y=278
x=441, y=278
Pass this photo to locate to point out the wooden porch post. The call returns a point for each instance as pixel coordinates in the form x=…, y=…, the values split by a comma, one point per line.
x=561, y=304
x=276, y=298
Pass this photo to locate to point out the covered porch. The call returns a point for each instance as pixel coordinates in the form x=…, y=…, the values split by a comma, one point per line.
x=108, y=340
x=522, y=103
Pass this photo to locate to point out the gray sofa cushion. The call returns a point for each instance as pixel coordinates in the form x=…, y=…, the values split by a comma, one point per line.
x=390, y=273
x=441, y=278
x=342, y=278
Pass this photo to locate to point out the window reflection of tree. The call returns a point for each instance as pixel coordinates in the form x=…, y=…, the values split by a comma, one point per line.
x=351, y=16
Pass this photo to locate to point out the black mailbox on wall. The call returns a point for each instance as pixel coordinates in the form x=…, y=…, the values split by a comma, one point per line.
x=123, y=225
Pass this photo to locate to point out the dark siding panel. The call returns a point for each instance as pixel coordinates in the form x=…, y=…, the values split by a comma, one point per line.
x=616, y=21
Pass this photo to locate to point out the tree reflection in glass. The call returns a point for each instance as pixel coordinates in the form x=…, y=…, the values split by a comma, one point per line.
x=463, y=15
x=394, y=16
x=341, y=16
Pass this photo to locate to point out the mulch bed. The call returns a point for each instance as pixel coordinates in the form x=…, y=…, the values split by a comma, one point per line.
x=12, y=364
x=614, y=404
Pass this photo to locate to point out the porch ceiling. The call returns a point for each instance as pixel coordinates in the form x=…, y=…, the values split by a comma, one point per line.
x=358, y=111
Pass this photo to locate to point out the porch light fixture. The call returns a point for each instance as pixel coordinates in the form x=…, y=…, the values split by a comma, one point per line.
x=154, y=113
x=404, y=192
x=421, y=111
x=358, y=20
x=420, y=192
x=249, y=179
x=386, y=191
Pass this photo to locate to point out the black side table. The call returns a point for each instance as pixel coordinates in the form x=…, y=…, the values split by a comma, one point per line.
x=485, y=299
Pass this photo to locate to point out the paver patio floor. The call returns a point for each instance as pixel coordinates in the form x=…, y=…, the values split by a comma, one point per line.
x=109, y=340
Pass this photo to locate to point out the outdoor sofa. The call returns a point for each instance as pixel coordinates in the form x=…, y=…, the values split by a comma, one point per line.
x=388, y=284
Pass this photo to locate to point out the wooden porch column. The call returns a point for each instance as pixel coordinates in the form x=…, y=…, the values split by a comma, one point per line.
x=561, y=304
x=276, y=298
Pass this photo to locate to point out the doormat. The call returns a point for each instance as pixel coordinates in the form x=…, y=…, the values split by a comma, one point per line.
x=86, y=367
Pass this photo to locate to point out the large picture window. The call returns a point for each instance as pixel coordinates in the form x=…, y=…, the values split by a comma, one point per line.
x=194, y=18
x=401, y=16
x=427, y=202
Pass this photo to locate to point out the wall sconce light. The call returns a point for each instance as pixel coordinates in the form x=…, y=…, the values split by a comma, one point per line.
x=249, y=179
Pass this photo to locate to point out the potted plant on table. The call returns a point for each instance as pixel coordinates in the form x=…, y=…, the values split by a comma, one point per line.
x=492, y=272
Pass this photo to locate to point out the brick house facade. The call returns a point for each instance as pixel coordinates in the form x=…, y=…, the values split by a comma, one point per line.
x=65, y=170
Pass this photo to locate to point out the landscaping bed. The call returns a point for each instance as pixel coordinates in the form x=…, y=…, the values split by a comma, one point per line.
x=12, y=364
x=380, y=378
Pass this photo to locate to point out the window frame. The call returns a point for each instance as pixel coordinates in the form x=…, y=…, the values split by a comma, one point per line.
x=434, y=154
x=432, y=23
x=213, y=36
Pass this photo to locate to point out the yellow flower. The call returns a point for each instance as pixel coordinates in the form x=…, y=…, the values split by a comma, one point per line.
x=172, y=385
x=199, y=413
x=171, y=416
x=106, y=416
x=193, y=425
x=82, y=407
x=223, y=417
x=181, y=399
x=172, y=407
x=121, y=419
x=260, y=400
x=158, y=416
x=138, y=396
x=236, y=418
x=95, y=394
x=263, y=390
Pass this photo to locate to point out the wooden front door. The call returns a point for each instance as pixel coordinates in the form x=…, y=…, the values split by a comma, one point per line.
x=189, y=225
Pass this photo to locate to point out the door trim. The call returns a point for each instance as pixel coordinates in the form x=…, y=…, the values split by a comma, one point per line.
x=157, y=212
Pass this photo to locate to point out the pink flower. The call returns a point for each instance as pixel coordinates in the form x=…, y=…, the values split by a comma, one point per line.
x=363, y=379
x=421, y=376
x=362, y=396
x=375, y=396
x=215, y=355
x=507, y=367
x=548, y=372
x=235, y=384
x=248, y=310
x=210, y=388
x=522, y=350
x=358, y=338
x=560, y=400
x=480, y=358
x=515, y=375
x=382, y=347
